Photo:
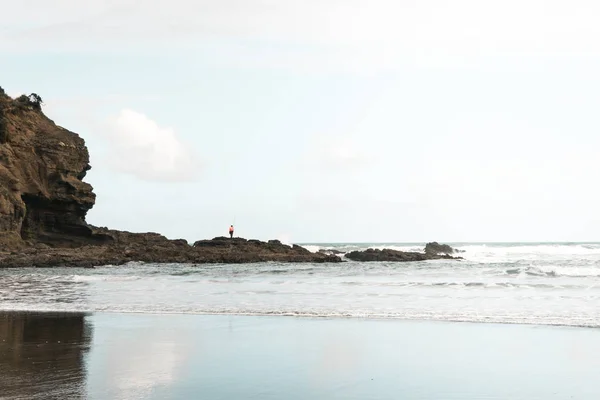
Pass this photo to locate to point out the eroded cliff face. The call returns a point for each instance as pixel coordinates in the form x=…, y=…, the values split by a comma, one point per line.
x=43, y=198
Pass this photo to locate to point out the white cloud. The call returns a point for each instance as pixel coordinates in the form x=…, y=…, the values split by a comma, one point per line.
x=345, y=154
x=137, y=367
x=339, y=153
x=141, y=147
x=376, y=34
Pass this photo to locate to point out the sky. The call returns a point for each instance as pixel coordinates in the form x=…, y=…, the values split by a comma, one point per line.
x=324, y=120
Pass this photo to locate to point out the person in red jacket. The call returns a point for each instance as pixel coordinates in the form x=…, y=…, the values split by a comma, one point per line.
x=231, y=231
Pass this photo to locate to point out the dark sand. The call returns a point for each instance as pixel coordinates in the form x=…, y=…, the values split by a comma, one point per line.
x=137, y=356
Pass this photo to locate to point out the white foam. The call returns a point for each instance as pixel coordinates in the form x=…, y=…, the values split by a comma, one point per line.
x=554, y=270
x=556, y=249
x=104, y=278
x=528, y=252
x=312, y=248
x=411, y=248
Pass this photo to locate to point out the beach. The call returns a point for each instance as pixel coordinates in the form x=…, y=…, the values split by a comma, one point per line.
x=299, y=200
x=510, y=321
x=178, y=356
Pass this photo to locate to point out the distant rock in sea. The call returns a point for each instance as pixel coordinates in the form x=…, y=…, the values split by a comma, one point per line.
x=331, y=251
x=395, y=256
x=434, y=248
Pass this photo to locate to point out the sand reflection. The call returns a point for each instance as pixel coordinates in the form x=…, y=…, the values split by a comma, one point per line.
x=42, y=355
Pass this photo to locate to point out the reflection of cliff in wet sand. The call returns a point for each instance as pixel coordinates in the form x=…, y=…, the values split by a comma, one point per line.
x=41, y=355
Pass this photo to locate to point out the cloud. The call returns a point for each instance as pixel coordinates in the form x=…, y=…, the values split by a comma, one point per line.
x=138, y=366
x=379, y=34
x=339, y=153
x=345, y=154
x=139, y=146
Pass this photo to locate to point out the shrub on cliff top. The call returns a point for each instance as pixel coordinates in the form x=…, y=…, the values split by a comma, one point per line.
x=36, y=101
x=31, y=102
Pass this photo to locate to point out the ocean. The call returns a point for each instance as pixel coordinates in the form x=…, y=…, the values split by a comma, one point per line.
x=522, y=283
x=310, y=331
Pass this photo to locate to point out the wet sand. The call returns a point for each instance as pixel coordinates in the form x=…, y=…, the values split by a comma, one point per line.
x=147, y=356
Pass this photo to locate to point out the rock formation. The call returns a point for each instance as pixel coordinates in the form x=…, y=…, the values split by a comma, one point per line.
x=434, y=248
x=43, y=198
x=154, y=248
x=394, y=255
x=44, y=201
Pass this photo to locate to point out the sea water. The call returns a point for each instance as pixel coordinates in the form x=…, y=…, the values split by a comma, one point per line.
x=525, y=283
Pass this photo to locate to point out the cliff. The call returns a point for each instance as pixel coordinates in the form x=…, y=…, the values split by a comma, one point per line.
x=43, y=198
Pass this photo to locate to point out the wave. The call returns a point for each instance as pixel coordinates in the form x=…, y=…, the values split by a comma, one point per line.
x=556, y=271
x=564, y=249
x=472, y=284
x=346, y=248
x=565, y=254
x=313, y=248
x=547, y=284
x=106, y=278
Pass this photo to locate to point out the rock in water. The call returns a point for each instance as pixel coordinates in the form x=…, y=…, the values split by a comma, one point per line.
x=394, y=256
x=330, y=251
x=434, y=248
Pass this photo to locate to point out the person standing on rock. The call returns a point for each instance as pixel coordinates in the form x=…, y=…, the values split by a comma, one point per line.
x=231, y=231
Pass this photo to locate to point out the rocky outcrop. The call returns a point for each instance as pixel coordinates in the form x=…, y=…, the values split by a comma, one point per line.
x=43, y=198
x=434, y=248
x=154, y=248
x=394, y=256
x=44, y=202
x=331, y=251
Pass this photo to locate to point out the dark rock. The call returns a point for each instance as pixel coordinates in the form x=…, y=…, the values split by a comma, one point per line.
x=301, y=249
x=436, y=248
x=42, y=195
x=393, y=255
x=153, y=248
x=330, y=251
x=216, y=242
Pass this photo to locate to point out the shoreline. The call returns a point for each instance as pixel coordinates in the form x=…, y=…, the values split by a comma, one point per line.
x=298, y=316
